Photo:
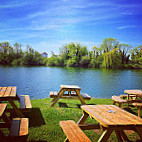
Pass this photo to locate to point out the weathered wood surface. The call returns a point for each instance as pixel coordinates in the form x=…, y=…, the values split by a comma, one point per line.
x=134, y=92
x=70, y=87
x=73, y=132
x=2, y=108
x=25, y=102
x=120, y=118
x=118, y=99
x=7, y=92
x=19, y=127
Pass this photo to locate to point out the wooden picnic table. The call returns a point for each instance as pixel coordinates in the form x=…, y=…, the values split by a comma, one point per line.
x=9, y=94
x=3, y=116
x=111, y=118
x=137, y=93
x=73, y=93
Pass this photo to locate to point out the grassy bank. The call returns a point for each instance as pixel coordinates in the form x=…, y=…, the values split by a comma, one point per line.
x=44, y=120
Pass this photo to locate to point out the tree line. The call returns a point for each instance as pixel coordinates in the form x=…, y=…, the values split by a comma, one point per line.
x=110, y=54
x=13, y=55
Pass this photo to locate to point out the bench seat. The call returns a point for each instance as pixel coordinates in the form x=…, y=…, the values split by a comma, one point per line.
x=73, y=132
x=54, y=94
x=117, y=99
x=25, y=103
x=19, y=129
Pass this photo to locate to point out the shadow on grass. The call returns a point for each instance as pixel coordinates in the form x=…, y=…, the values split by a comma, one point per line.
x=64, y=105
x=35, y=118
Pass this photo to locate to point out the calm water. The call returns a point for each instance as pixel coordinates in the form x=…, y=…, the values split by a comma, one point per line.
x=98, y=83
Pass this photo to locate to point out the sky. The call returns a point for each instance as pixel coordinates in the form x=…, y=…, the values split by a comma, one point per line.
x=47, y=25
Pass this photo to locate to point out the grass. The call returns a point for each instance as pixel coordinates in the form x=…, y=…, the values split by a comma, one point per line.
x=44, y=120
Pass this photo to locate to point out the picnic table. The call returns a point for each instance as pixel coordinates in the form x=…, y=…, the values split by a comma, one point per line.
x=73, y=93
x=136, y=93
x=9, y=94
x=3, y=116
x=111, y=118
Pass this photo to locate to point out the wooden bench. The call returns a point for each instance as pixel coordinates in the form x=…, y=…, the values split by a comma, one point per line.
x=139, y=106
x=117, y=99
x=54, y=94
x=19, y=129
x=73, y=132
x=25, y=103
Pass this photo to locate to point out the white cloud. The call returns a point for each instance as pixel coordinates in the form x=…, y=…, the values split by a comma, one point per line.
x=126, y=27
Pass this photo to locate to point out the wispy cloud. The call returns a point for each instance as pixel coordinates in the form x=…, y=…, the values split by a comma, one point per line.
x=126, y=27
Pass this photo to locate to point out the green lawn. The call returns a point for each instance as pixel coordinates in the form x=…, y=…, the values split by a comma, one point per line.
x=44, y=120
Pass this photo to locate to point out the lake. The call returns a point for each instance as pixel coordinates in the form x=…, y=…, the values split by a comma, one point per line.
x=98, y=83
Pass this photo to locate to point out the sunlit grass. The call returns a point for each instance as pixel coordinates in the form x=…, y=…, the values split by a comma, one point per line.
x=44, y=120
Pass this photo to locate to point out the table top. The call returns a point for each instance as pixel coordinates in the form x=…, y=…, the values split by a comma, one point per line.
x=70, y=87
x=6, y=92
x=2, y=108
x=112, y=116
x=134, y=92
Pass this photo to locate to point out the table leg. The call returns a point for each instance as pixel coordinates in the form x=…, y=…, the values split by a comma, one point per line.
x=83, y=118
x=139, y=131
x=80, y=97
x=139, y=111
x=59, y=96
x=124, y=136
x=19, y=113
x=118, y=135
x=105, y=135
x=6, y=118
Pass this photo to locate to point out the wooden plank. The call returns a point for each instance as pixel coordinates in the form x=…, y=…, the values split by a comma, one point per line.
x=124, y=136
x=118, y=135
x=70, y=87
x=53, y=94
x=73, y=132
x=118, y=118
x=13, y=91
x=83, y=118
x=105, y=135
x=27, y=101
x=118, y=99
x=22, y=101
x=89, y=126
x=135, y=120
x=24, y=127
x=80, y=97
x=18, y=112
x=7, y=92
x=96, y=115
x=3, y=89
x=59, y=96
x=2, y=108
x=134, y=92
x=84, y=95
x=15, y=127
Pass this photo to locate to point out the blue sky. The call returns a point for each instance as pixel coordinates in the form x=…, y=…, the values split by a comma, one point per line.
x=49, y=24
